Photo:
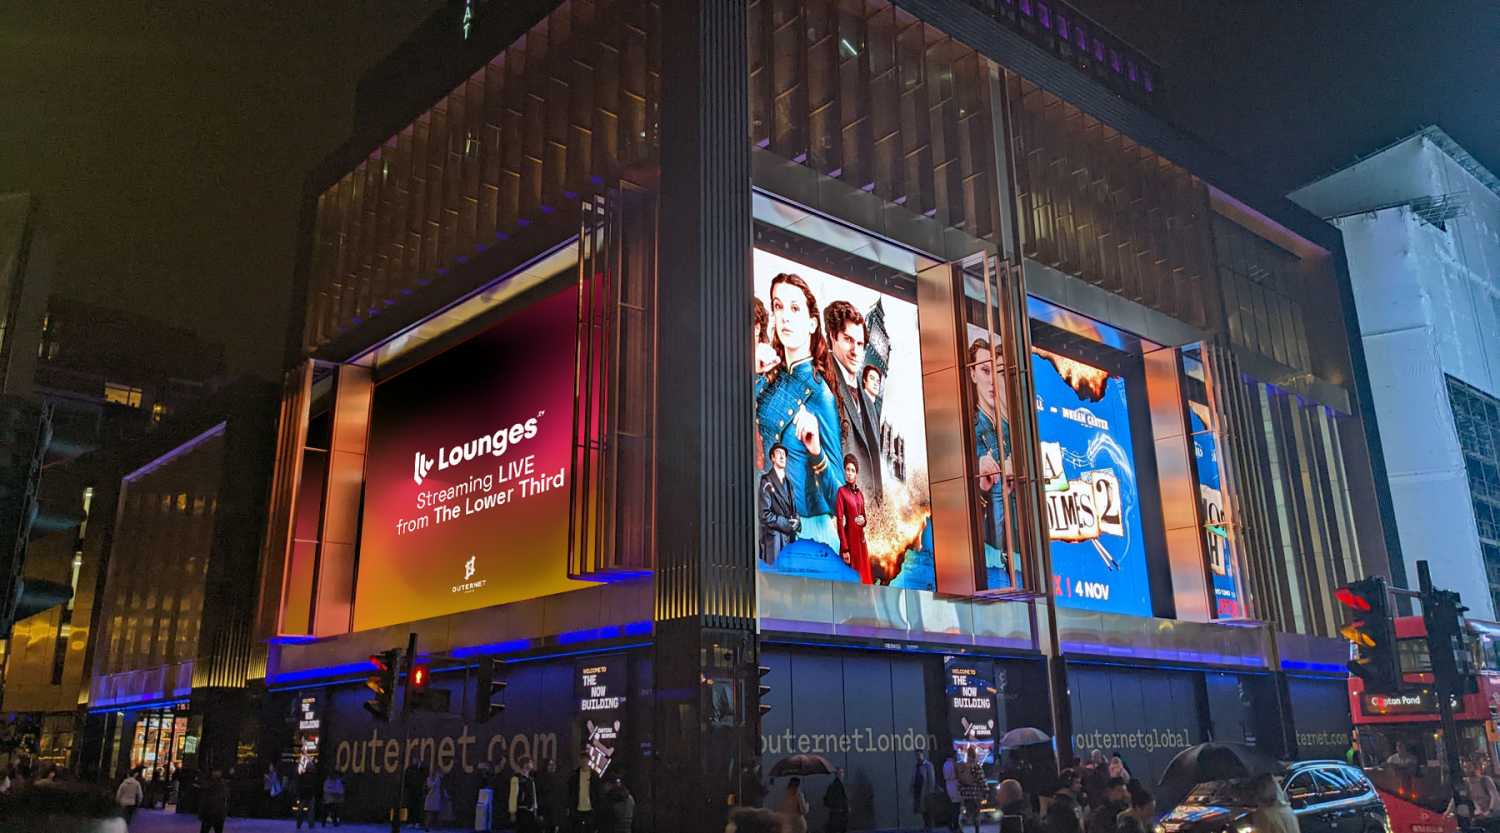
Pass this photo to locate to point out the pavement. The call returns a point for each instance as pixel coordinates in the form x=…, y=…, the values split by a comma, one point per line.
x=157, y=821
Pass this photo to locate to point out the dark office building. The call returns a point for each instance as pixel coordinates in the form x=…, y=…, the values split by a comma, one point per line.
x=107, y=397
x=94, y=378
x=902, y=349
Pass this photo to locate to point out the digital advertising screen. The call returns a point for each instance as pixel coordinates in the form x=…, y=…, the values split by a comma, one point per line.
x=841, y=442
x=1211, y=501
x=1093, y=508
x=600, y=692
x=969, y=685
x=992, y=451
x=466, y=479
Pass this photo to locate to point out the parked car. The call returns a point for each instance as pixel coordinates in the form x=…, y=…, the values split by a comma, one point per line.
x=1327, y=796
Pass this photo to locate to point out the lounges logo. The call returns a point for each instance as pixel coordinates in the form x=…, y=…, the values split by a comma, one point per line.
x=421, y=467
x=496, y=444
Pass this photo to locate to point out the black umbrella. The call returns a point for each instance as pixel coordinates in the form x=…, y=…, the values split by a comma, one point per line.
x=802, y=765
x=1217, y=762
x=1024, y=736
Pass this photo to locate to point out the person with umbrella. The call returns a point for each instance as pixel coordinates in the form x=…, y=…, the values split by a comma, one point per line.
x=793, y=809
x=1272, y=813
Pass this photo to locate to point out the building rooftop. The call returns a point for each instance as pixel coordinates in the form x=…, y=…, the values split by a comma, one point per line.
x=1388, y=177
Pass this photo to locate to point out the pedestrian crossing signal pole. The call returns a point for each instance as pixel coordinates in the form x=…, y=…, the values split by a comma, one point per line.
x=406, y=697
x=1443, y=615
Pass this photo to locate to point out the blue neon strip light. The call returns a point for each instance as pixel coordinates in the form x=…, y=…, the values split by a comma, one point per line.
x=317, y=677
x=311, y=674
x=513, y=646
x=135, y=706
x=293, y=639
x=1322, y=667
x=607, y=632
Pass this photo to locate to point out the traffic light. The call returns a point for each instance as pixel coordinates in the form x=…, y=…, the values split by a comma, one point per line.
x=382, y=683
x=419, y=697
x=1373, y=634
x=490, y=690
x=25, y=434
x=762, y=690
x=1443, y=614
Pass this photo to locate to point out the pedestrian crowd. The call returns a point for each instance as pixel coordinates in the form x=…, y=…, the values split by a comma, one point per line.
x=955, y=793
x=1094, y=796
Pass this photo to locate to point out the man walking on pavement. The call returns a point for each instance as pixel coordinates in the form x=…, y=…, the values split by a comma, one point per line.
x=923, y=788
x=213, y=803
x=129, y=795
x=523, y=805
x=583, y=794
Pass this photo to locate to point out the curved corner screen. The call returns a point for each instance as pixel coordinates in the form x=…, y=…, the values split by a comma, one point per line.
x=466, y=482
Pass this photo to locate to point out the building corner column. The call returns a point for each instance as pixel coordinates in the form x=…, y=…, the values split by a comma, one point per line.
x=705, y=742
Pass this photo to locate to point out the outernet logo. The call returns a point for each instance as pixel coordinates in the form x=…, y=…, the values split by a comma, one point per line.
x=495, y=444
x=469, y=584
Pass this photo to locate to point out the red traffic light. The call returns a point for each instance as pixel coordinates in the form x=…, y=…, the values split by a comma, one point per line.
x=378, y=661
x=419, y=677
x=1351, y=599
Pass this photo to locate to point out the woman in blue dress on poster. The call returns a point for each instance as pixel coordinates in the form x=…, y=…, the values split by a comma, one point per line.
x=796, y=408
x=992, y=447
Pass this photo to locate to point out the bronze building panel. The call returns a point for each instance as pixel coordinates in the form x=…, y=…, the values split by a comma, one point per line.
x=1097, y=205
x=555, y=115
x=866, y=94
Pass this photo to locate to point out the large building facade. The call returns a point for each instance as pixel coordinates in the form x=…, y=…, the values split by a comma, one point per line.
x=899, y=349
x=1421, y=224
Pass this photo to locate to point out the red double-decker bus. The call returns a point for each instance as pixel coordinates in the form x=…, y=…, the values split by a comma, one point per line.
x=1399, y=742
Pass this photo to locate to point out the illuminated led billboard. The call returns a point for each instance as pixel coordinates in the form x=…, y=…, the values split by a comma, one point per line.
x=841, y=449
x=466, y=482
x=992, y=452
x=1093, y=508
x=1211, y=501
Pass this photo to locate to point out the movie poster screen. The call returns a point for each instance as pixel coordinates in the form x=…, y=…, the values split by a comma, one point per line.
x=1092, y=504
x=994, y=504
x=841, y=452
x=1211, y=503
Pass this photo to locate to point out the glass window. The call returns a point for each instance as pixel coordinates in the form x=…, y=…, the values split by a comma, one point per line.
x=1335, y=784
x=1407, y=760
x=1476, y=420
x=120, y=394
x=1300, y=790
x=1357, y=780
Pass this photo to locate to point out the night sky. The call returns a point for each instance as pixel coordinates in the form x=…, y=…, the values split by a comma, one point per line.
x=168, y=140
